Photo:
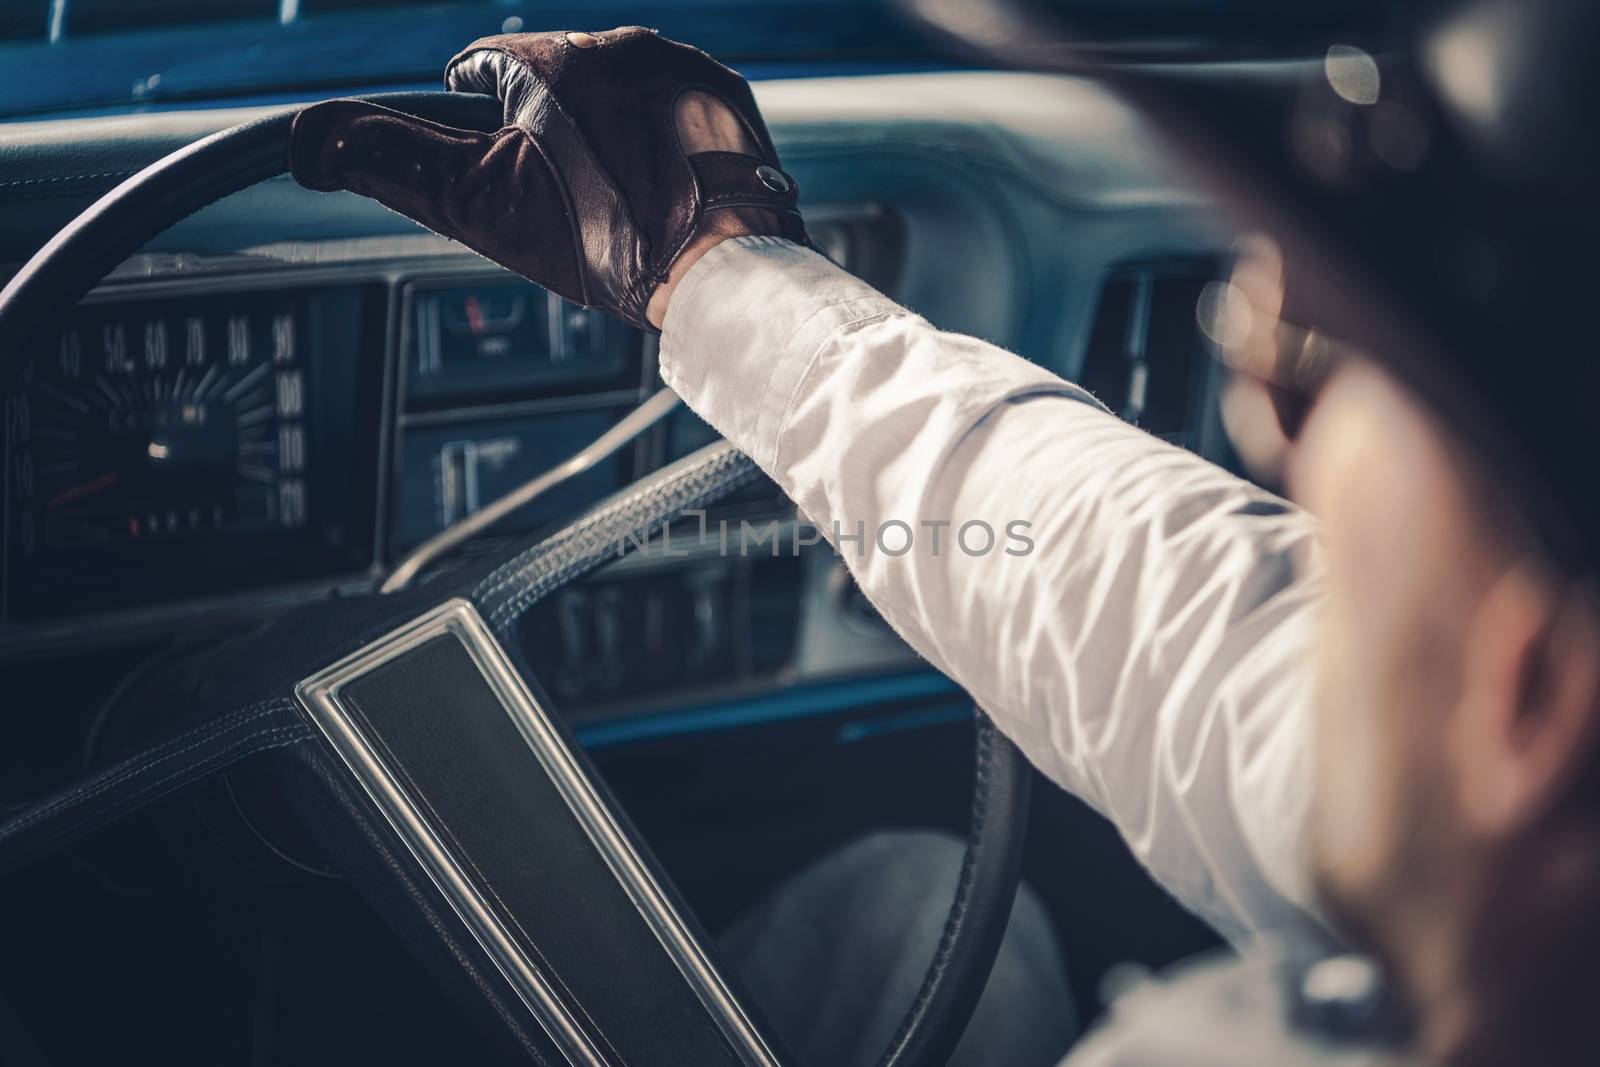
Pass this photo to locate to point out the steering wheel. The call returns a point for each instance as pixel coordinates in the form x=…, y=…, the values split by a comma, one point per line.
x=406, y=732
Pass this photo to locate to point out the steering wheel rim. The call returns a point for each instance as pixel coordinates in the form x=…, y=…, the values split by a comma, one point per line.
x=183, y=182
x=167, y=191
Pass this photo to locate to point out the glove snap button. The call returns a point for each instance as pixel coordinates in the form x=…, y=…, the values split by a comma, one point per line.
x=772, y=178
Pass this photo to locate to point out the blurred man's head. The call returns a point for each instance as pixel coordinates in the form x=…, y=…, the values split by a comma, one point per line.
x=1457, y=807
x=1432, y=179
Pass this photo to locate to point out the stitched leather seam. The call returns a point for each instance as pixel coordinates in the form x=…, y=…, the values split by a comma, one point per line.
x=15, y=183
x=961, y=906
x=589, y=161
x=749, y=199
x=665, y=266
x=577, y=554
x=748, y=190
x=96, y=786
x=508, y=573
x=146, y=761
x=574, y=229
x=39, y=816
x=763, y=143
x=277, y=737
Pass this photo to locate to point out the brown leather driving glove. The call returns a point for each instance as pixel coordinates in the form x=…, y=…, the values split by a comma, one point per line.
x=586, y=190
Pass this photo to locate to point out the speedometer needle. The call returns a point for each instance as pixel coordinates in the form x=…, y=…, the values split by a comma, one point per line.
x=105, y=481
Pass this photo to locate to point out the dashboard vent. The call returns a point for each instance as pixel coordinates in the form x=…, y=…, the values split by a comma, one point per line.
x=1146, y=359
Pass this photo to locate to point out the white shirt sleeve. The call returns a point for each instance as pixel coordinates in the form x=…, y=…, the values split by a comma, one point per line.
x=1147, y=644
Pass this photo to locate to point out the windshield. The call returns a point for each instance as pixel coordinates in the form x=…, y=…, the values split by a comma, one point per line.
x=57, y=55
x=62, y=55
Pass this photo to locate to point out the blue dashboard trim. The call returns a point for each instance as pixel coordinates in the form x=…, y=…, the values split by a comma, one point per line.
x=801, y=702
x=937, y=714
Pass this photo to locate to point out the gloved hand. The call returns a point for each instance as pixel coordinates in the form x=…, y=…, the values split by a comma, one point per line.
x=589, y=189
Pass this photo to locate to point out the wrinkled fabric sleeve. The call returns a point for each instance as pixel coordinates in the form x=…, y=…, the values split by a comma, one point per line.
x=1143, y=634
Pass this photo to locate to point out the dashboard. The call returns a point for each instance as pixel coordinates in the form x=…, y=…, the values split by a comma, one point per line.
x=283, y=394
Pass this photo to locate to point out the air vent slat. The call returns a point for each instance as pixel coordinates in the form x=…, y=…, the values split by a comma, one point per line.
x=1105, y=363
x=1146, y=359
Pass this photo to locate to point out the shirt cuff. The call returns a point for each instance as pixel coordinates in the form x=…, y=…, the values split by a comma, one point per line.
x=745, y=324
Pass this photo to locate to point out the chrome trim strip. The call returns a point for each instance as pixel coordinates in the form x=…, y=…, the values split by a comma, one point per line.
x=320, y=696
x=659, y=405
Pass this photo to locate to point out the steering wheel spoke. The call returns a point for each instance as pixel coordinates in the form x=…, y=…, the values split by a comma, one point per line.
x=495, y=803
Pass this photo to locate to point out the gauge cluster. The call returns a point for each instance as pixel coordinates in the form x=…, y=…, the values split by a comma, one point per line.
x=181, y=447
x=194, y=429
x=207, y=438
x=187, y=446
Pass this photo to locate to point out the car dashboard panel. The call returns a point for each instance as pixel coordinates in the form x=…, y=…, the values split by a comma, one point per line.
x=163, y=447
x=207, y=438
x=286, y=392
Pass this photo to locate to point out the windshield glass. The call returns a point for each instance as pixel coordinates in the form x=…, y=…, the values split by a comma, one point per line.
x=152, y=51
x=60, y=55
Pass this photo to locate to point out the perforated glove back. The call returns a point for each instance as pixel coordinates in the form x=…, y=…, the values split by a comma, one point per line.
x=587, y=189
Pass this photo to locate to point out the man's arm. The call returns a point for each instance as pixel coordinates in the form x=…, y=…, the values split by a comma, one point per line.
x=1150, y=651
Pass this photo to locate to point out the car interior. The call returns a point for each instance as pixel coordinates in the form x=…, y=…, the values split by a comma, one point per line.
x=275, y=400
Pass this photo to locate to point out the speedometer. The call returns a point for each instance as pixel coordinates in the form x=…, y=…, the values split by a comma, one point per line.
x=155, y=427
x=164, y=448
